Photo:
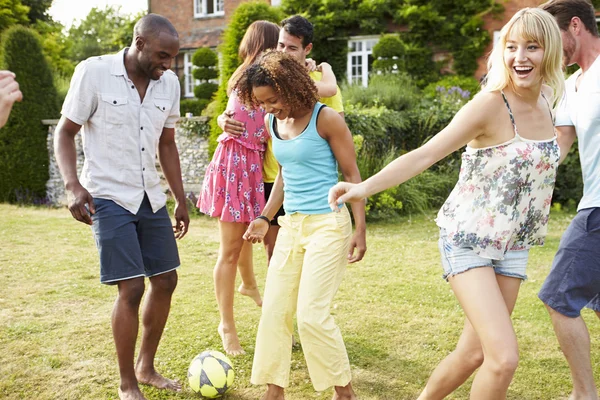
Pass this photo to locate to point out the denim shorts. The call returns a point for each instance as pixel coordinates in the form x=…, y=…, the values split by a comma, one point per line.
x=574, y=280
x=133, y=245
x=456, y=260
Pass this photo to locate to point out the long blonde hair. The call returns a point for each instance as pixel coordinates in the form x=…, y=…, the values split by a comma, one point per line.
x=260, y=36
x=538, y=26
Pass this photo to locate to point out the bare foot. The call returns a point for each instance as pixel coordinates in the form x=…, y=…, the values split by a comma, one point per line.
x=273, y=393
x=231, y=342
x=253, y=293
x=155, y=379
x=344, y=393
x=132, y=394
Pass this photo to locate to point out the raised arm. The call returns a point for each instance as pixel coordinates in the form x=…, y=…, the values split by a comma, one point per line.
x=469, y=123
x=332, y=127
x=327, y=86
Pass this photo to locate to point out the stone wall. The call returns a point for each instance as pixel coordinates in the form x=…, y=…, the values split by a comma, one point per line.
x=193, y=155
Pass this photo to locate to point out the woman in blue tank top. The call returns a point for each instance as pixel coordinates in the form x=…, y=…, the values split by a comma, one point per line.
x=314, y=244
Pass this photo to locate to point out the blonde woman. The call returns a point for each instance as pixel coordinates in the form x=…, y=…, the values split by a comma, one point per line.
x=500, y=205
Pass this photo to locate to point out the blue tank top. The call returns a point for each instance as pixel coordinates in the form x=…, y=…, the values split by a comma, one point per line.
x=308, y=168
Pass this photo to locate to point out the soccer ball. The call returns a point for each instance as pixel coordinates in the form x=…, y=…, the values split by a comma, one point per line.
x=211, y=374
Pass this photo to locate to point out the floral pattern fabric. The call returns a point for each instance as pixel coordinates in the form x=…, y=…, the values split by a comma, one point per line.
x=233, y=187
x=502, y=199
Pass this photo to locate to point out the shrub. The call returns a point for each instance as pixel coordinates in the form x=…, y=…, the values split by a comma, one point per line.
x=464, y=83
x=569, y=181
x=23, y=141
x=245, y=14
x=379, y=127
x=394, y=91
x=193, y=106
x=206, y=62
x=389, y=54
x=417, y=195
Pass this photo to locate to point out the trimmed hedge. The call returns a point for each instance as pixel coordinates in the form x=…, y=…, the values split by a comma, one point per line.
x=23, y=149
x=193, y=106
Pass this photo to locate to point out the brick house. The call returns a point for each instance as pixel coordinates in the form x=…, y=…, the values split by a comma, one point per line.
x=201, y=22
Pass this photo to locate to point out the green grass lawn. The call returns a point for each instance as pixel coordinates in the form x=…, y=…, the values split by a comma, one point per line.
x=398, y=317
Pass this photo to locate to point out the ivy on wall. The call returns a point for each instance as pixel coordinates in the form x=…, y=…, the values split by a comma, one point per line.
x=423, y=25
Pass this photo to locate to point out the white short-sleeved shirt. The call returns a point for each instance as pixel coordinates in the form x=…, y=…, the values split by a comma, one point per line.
x=121, y=134
x=581, y=109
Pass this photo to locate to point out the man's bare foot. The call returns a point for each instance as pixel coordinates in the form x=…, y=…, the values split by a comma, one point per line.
x=273, y=393
x=132, y=394
x=344, y=393
x=253, y=293
x=231, y=342
x=155, y=379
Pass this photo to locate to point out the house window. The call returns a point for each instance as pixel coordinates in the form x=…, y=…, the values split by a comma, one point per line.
x=209, y=8
x=189, y=82
x=360, y=59
x=275, y=3
x=496, y=37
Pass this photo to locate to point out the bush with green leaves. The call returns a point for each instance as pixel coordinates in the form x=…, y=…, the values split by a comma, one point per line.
x=245, y=14
x=23, y=140
x=194, y=106
x=389, y=54
x=464, y=83
x=206, y=62
x=394, y=91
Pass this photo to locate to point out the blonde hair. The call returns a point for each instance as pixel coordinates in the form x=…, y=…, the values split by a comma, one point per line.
x=538, y=26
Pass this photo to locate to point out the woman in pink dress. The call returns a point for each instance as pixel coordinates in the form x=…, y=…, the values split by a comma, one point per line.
x=233, y=189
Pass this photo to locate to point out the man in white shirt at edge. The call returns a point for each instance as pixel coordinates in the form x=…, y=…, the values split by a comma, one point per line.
x=574, y=281
x=128, y=104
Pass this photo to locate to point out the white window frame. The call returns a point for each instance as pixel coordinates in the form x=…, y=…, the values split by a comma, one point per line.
x=366, y=44
x=189, y=81
x=200, y=7
x=275, y=3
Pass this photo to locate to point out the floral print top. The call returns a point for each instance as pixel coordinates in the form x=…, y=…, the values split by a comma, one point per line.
x=502, y=199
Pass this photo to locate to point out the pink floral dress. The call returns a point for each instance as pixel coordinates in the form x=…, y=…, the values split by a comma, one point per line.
x=233, y=188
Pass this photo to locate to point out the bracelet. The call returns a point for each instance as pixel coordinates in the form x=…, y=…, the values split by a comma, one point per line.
x=264, y=217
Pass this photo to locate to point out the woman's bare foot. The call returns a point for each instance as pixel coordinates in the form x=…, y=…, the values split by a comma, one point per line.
x=231, y=342
x=253, y=293
x=344, y=393
x=155, y=379
x=274, y=392
x=131, y=394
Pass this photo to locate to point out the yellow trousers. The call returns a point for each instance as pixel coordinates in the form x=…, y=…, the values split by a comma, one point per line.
x=305, y=272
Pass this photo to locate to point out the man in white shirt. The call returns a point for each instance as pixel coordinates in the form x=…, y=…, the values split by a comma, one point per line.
x=128, y=104
x=574, y=281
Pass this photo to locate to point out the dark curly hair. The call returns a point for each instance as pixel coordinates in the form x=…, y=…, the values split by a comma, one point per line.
x=285, y=75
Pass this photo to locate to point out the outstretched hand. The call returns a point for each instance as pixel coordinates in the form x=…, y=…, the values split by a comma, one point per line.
x=344, y=192
x=256, y=231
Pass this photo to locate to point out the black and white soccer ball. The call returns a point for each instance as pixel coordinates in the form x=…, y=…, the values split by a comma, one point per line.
x=211, y=374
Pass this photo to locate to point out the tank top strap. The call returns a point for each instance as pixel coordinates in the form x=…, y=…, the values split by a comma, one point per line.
x=549, y=108
x=313, y=119
x=510, y=113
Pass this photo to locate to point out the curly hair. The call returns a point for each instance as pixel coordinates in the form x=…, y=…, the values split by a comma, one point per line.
x=285, y=75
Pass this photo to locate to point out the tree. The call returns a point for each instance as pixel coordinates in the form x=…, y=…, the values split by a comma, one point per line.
x=23, y=145
x=103, y=31
x=38, y=10
x=12, y=12
x=206, y=70
x=449, y=25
